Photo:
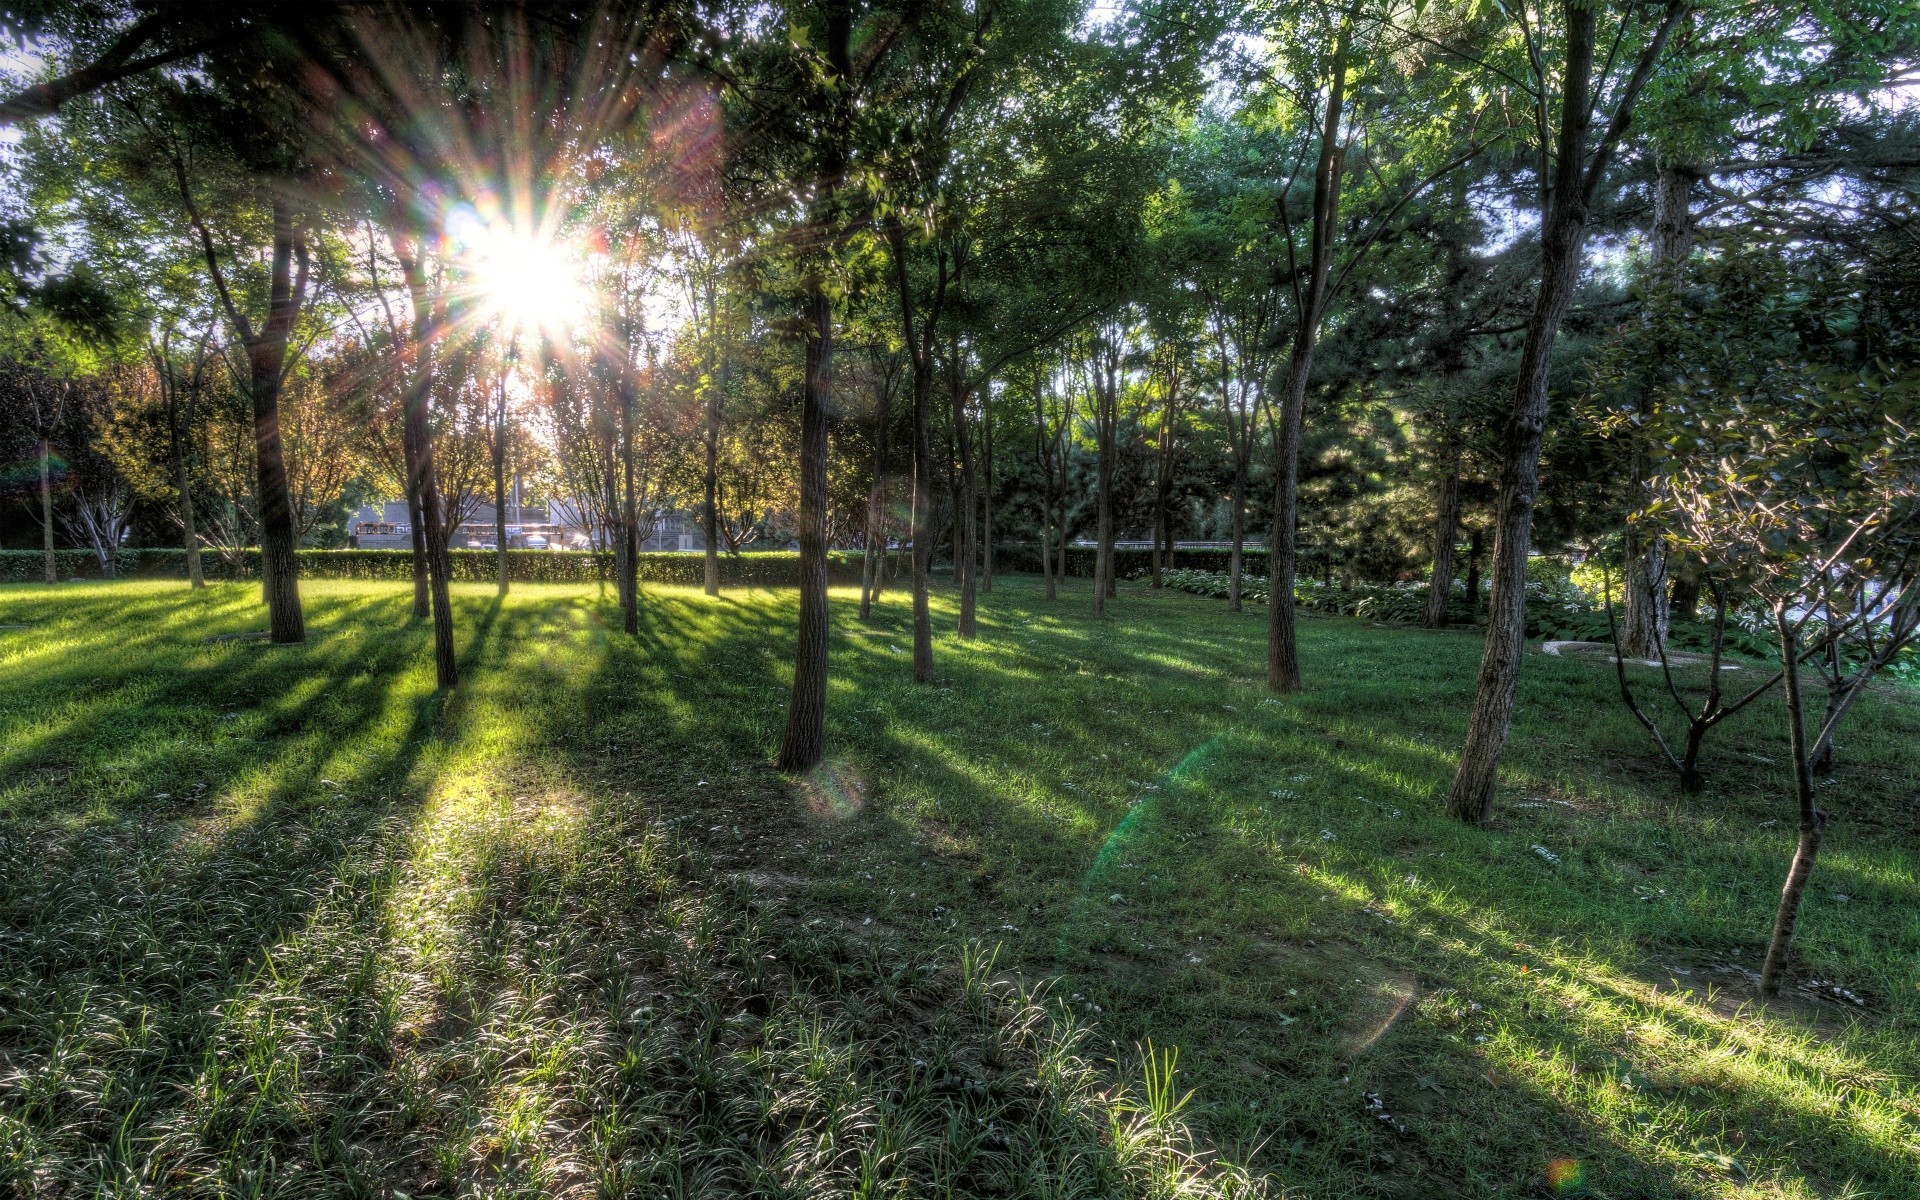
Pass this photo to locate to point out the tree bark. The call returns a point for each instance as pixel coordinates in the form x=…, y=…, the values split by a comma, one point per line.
x=1283, y=651
x=965, y=531
x=986, y=491
x=1163, y=485
x=1236, y=558
x=266, y=362
x=804, y=740
x=1575, y=176
x=1106, y=399
x=1475, y=544
x=710, y=479
x=46, y=510
x=499, y=448
x=1446, y=529
x=1644, y=630
x=629, y=506
x=873, y=570
x=1812, y=820
x=417, y=430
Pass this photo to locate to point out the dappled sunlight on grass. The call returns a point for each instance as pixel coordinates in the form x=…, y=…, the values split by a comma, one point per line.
x=448, y=942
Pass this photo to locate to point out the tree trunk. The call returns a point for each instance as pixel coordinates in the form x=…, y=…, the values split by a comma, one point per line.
x=1562, y=233
x=1812, y=820
x=1163, y=493
x=1283, y=651
x=710, y=481
x=1106, y=428
x=1684, y=596
x=629, y=508
x=266, y=362
x=1475, y=539
x=500, y=484
x=1644, y=630
x=46, y=510
x=986, y=491
x=804, y=740
x=874, y=568
x=416, y=430
x=1446, y=528
x=965, y=531
x=1236, y=558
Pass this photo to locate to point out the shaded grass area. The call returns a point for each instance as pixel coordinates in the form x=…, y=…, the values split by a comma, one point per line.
x=507, y=944
x=283, y=922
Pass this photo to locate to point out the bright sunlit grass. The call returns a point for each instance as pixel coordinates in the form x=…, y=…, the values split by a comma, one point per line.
x=565, y=927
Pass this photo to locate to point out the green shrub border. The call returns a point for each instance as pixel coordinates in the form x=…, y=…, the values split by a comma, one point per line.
x=775, y=568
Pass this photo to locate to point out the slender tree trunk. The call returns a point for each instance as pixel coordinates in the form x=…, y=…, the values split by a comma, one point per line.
x=874, y=568
x=964, y=508
x=986, y=492
x=1684, y=595
x=1236, y=558
x=1446, y=528
x=1563, y=232
x=710, y=481
x=417, y=430
x=1812, y=820
x=266, y=360
x=802, y=744
x=629, y=508
x=1283, y=652
x=1474, y=546
x=500, y=484
x=1106, y=421
x=1163, y=492
x=46, y=510
x=1644, y=630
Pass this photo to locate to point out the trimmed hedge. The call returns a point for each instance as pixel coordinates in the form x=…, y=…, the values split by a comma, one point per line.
x=1127, y=561
x=764, y=569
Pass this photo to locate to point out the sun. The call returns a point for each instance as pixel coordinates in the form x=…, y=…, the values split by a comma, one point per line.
x=528, y=280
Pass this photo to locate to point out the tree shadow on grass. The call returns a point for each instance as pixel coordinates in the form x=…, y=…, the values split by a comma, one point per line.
x=947, y=805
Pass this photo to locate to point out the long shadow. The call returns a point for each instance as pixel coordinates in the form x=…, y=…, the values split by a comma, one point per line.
x=159, y=924
x=705, y=673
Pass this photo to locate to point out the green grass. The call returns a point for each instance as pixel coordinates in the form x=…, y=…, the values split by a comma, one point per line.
x=281, y=921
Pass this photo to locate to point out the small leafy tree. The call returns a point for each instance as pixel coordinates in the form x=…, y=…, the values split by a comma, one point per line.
x=1803, y=486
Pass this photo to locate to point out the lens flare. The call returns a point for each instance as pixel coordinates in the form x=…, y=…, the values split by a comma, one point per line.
x=528, y=280
x=1566, y=1176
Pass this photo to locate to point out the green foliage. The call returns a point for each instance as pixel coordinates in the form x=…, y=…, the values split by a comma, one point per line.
x=778, y=568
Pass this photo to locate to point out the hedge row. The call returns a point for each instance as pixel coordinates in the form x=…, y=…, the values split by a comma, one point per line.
x=766, y=569
x=1127, y=561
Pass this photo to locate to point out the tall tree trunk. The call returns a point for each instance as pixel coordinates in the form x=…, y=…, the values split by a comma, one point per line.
x=499, y=448
x=1475, y=545
x=1812, y=820
x=1237, y=528
x=1283, y=651
x=965, y=532
x=1684, y=596
x=1043, y=453
x=1163, y=491
x=986, y=491
x=804, y=740
x=183, y=483
x=46, y=510
x=874, y=568
x=710, y=479
x=1105, y=421
x=1446, y=529
x=1577, y=171
x=266, y=363
x=629, y=507
x=417, y=430
x=1643, y=630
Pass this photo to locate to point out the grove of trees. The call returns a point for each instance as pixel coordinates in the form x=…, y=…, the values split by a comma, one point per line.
x=1385, y=292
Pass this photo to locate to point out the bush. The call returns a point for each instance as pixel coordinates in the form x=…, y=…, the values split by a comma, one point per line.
x=766, y=569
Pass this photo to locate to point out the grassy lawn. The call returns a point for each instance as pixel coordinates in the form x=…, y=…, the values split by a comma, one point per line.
x=281, y=921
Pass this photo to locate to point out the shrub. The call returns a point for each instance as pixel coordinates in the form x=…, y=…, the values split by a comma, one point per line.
x=766, y=569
